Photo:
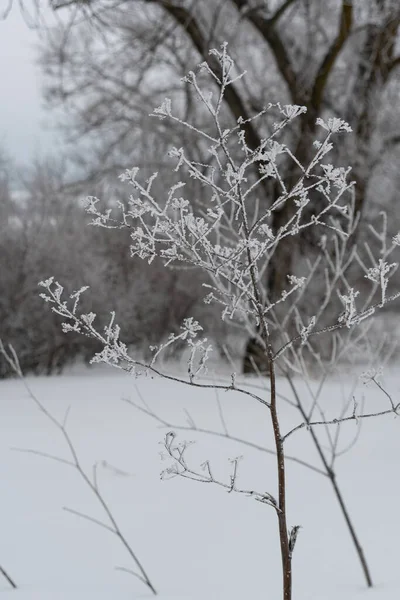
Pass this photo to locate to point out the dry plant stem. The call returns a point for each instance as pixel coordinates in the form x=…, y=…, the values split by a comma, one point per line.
x=280, y=456
x=6, y=576
x=225, y=434
x=391, y=411
x=12, y=359
x=332, y=478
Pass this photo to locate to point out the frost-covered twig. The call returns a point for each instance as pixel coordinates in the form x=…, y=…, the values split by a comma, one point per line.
x=356, y=319
x=115, y=352
x=388, y=396
x=180, y=468
x=338, y=421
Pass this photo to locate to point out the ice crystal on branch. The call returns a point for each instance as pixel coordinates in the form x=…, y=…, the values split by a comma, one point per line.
x=348, y=317
x=291, y=111
x=381, y=275
x=190, y=328
x=371, y=374
x=164, y=110
x=306, y=331
x=396, y=239
x=334, y=125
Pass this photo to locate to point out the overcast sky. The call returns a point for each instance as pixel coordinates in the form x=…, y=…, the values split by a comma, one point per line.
x=25, y=130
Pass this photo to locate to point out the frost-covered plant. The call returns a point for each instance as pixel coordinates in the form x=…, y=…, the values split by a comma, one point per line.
x=229, y=236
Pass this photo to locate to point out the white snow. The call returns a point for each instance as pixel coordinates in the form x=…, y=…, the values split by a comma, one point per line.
x=194, y=540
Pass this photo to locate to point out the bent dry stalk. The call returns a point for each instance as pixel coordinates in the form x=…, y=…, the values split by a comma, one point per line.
x=8, y=578
x=337, y=491
x=74, y=462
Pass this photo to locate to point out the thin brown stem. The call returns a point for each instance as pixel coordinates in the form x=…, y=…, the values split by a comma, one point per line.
x=332, y=478
x=6, y=576
x=222, y=434
x=12, y=359
x=395, y=411
x=280, y=456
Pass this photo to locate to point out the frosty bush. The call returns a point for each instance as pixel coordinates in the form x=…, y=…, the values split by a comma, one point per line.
x=228, y=236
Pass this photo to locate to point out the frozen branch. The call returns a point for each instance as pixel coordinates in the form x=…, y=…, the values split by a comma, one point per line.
x=177, y=452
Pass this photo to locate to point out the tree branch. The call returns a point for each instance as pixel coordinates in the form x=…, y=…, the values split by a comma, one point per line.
x=280, y=11
x=346, y=21
x=12, y=359
x=394, y=63
x=194, y=428
x=266, y=27
x=233, y=99
x=395, y=411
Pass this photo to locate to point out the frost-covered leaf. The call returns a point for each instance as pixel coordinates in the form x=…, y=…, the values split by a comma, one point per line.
x=396, y=239
x=291, y=111
x=190, y=327
x=46, y=283
x=68, y=327
x=88, y=318
x=129, y=175
x=296, y=282
x=348, y=317
x=266, y=230
x=164, y=110
x=179, y=203
x=379, y=274
x=334, y=125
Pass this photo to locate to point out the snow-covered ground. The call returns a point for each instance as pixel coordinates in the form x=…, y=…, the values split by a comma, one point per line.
x=194, y=540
